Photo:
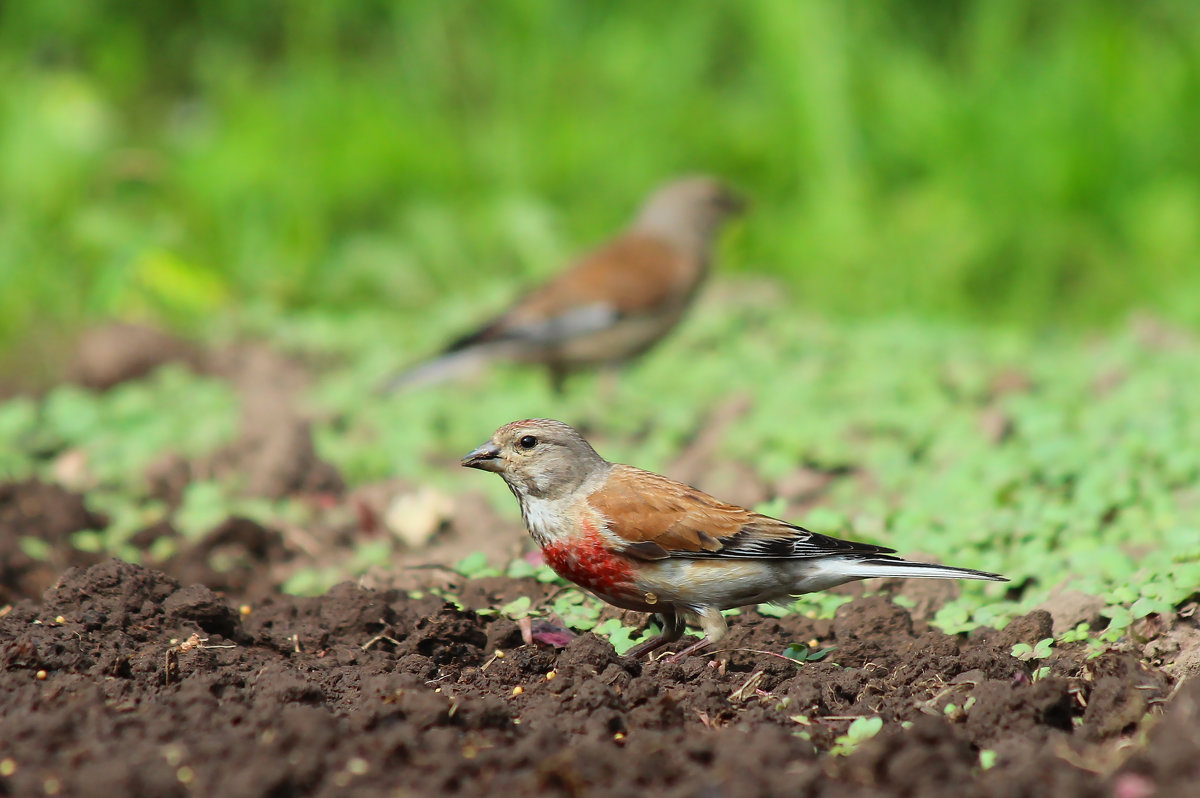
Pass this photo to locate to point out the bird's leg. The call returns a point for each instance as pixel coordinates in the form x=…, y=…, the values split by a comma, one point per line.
x=672, y=630
x=714, y=626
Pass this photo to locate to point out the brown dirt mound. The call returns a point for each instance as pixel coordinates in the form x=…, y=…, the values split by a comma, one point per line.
x=121, y=681
x=49, y=515
x=114, y=353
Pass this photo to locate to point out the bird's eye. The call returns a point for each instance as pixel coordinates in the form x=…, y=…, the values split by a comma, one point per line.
x=528, y=442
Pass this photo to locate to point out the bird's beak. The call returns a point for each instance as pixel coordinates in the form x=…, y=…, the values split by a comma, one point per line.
x=485, y=458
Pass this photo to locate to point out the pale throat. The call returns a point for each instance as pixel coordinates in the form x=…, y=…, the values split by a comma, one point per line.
x=547, y=520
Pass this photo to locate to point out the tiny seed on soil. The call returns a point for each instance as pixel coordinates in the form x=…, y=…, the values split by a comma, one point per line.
x=40, y=676
x=59, y=619
x=245, y=609
x=185, y=775
x=8, y=767
x=518, y=690
x=51, y=786
x=551, y=674
x=499, y=654
x=357, y=765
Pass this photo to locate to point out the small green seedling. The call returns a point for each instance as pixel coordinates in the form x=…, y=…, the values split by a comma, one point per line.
x=475, y=566
x=801, y=653
x=518, y=608
x=861, y=730
x=621, y=636
x=1026, y=652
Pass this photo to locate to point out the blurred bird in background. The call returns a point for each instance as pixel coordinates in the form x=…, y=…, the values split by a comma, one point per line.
x=611, y=305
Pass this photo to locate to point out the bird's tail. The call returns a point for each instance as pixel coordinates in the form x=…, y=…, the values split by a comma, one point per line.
x=870, y=567
x=443, y=367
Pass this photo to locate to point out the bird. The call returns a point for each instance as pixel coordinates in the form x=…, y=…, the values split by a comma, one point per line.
x=610, y=305
x=644, y=542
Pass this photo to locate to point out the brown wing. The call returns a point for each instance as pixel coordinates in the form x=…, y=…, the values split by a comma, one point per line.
x=632, y=275
x=662, y=518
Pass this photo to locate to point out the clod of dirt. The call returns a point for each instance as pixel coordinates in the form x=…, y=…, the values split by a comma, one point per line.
x=48, y=515
x=281, y=460
x=274, y=450
x=1169, y=758
x=1069, y=608
x=167, y=477
x=238, y=556
x=117, y=352
x=1179, y=648
x=872, y=618
x=199, y=605
x=1029, y=629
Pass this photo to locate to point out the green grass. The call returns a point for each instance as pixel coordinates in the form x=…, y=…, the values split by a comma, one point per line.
x=1015, y=162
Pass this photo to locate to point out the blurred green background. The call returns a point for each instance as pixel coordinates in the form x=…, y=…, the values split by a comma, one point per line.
x=1026, y=164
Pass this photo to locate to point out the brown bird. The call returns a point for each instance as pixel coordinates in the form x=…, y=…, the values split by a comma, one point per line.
x=644, y=542
x=612, y=304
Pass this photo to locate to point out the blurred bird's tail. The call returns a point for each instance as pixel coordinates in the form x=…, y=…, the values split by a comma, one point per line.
x=444, y=367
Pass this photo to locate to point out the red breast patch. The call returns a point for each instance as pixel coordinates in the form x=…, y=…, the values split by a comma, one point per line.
x=588, y=563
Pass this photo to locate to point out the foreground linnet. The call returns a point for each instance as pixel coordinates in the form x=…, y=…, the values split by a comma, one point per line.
x=644, y=542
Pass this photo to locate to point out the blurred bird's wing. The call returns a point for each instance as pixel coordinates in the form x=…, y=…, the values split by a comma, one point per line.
x=635, y=274
x=657, y=518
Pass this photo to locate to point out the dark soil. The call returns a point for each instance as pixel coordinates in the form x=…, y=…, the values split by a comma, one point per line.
x=123, y=682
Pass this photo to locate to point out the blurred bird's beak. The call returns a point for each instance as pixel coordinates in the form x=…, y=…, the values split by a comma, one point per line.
x=485, y=458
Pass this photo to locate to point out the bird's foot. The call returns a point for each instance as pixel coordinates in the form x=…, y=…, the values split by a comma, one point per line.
x=646, y=647
x=692, y=649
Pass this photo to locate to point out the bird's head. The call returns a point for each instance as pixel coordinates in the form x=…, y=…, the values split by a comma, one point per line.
x=539, y=458
x=689, y=211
